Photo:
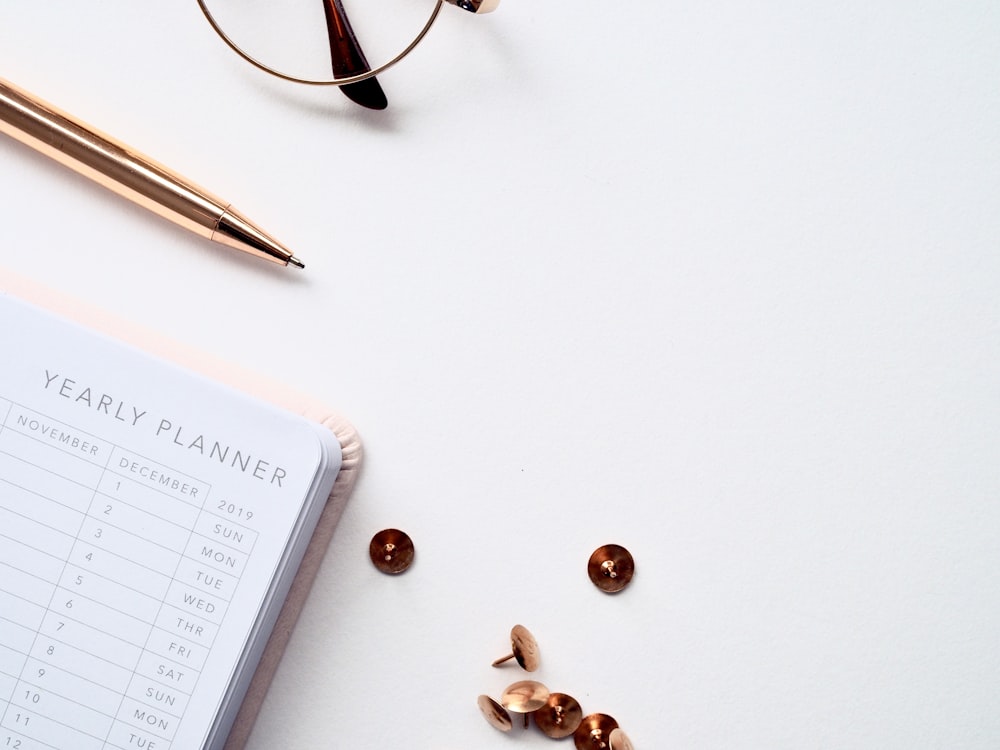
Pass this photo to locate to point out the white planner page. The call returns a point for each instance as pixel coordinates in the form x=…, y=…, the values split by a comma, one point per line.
x=145, y=516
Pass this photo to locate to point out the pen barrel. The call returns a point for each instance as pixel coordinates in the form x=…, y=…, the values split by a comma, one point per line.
x=130, y=174
x=107, y=161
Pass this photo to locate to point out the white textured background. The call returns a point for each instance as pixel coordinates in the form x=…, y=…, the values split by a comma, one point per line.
x=715, y=281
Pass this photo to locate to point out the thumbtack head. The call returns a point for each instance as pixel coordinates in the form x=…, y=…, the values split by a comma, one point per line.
x=618, y=740
x=524, y=697
x=495, y=714
x=560, y=716
x=594, y=732
x=524, y=648
x=391, y=551
x=611, y=567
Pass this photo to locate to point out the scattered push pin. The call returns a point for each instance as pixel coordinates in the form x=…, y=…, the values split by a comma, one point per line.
x=611, y=567
x=618, y=740
x=560, y=716
x=524, y=649
x=524, y=697
x=495, y=714
x=391, y=551
x=594, y=732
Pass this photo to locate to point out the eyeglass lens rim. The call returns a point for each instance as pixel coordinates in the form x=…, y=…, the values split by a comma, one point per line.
x=314, y=82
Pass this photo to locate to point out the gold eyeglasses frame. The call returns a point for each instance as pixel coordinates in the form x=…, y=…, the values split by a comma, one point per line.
x=475, y=6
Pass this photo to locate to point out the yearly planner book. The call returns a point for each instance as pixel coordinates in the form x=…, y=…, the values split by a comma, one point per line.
x=151, y=523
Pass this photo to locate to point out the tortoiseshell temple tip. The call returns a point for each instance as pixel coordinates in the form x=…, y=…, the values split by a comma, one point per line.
x=368, y=93
x=476, y=6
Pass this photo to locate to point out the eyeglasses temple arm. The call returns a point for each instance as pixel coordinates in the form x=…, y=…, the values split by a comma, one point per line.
x=348, y=60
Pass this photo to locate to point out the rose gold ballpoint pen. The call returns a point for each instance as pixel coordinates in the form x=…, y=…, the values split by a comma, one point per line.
x=132, y=175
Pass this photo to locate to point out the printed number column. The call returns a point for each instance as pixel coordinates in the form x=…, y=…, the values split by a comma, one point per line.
x=158, y=508
x=48, y=475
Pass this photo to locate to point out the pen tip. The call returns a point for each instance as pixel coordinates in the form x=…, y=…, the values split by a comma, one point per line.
x=293, y=261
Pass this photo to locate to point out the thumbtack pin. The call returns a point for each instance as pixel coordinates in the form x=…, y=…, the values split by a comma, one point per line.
x=391, y=551
x=524, y=648
x=594, y=732
x=560, y=716
x=611, y=567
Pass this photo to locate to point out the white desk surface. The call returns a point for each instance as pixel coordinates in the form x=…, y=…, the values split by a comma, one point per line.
x=719, y=282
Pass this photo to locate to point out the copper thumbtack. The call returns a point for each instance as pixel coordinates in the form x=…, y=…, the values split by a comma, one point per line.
x=611, y=568
x=495, y=714
x=524, y=697
x=594, y=732
x=560, y=716
x=618, y=740
x=391, y=551
x=524, y=648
